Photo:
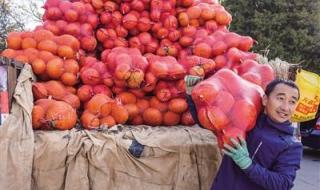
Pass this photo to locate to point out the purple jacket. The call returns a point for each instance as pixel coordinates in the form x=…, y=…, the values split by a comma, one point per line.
x=276, y=156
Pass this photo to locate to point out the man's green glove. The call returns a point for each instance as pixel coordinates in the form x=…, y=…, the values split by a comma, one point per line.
x=191, y=81
x=239, y=153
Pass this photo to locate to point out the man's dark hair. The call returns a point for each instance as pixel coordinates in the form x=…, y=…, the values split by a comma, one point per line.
x=270, y=87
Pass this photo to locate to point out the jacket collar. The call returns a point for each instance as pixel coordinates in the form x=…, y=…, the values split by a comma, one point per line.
x=285, y=127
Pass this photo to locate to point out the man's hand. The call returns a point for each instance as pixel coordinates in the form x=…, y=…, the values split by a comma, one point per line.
x=239, y=153
x=191, y=81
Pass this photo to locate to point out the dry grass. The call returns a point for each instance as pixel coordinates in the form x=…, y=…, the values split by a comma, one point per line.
x=282, y=69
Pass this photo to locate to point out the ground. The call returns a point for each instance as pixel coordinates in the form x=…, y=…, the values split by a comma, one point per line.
x=308, y=177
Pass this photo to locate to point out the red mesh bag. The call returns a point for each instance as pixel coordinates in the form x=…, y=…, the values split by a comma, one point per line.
x=166, y=90
x=75, y=18
x=227, y=104
x=260, y=74
x=166, y=68
x=127, y=65
x=232, y=46
x=198, y=66
x=158, y=7
x=94, y=72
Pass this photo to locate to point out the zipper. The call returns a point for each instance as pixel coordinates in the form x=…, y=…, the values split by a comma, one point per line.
x=257, y=149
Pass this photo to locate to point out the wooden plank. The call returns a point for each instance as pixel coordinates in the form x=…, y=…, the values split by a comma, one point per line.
x=13, y=70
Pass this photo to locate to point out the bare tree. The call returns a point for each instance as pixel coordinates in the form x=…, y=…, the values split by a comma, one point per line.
x=32, y=10
x=17, y=15
x=9, y=21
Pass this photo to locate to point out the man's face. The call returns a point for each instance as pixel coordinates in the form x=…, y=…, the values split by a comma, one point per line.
x=281, y=103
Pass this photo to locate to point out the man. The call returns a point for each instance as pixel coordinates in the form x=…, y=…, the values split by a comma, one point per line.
x=271, y=154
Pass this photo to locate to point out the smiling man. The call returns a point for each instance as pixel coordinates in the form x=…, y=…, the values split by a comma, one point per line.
x=270, y=156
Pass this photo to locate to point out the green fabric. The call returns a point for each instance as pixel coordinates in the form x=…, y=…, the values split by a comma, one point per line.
x=239, y=153
x=190, y=82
